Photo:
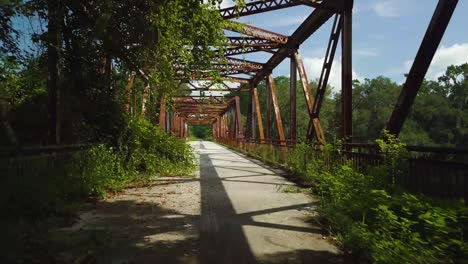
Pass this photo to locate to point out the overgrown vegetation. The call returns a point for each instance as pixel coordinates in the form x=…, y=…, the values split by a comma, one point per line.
x=37, y=186
x=369, y=213
x=203, y=132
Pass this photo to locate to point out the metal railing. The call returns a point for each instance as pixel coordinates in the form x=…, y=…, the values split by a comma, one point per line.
x=433, y=171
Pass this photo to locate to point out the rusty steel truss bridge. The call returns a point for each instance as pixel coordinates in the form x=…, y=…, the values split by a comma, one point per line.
x=223, y=113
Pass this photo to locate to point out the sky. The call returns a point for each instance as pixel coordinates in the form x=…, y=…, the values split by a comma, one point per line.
x=386, y=37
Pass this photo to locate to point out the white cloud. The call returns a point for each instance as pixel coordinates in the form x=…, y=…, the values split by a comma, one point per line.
x=445, y=56
x=227, y=3
x=313, y=66
x=390, y=8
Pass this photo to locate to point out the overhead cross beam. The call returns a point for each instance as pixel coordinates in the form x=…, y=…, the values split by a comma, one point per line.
x=249, y=49
x=255, y=32
x=265, y=6
x=249, y=42
x=307, y=28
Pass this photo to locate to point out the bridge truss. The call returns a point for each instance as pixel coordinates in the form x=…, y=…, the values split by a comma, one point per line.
x=223, y=113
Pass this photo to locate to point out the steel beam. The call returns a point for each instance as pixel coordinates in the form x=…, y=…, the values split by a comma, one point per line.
x=347, y=72
x=426, y=52
x=304, y=82
x=255, y=32
x=246, y=50
x=268, y=110
x=314, y=129
x=249, y=42
x=128, y=91
x=162, y=114
x=327, y=66
x=265, y=6
x=292, y=100
x=279, y=122
x=240, y=132
x=307, y=28
x=259, y=115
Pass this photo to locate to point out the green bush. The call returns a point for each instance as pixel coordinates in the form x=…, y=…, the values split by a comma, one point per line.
x=34, y=187
x=153, y=152
x=373, y=217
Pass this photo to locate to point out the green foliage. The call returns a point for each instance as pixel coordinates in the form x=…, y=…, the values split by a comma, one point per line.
x=39, y=185
x=395, y=156
x=375, y=218
x=200, y=132
x=153, y=152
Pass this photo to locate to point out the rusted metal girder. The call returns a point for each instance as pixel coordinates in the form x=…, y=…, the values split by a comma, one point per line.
x=255, y=32
x=249, y=129
x=259, y=114
x=279, y=122
x=209, y=78
x=128, y=91
x=265, y=6
x=249, y=42
x=268, y=111
x=240, y=132
x=246, y=50
x=241, y=62
x=293, y=100
x=426, y=52
x=313, y=22
x=233, y=67
x=347, y=72
x=162, y=114
x=314, y=129
x=304, y=82
x=327, y=66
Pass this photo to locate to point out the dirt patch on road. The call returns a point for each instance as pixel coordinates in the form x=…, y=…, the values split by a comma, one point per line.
x=157, y=224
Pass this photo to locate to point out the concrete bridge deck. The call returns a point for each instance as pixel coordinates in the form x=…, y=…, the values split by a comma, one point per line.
x=235, y=210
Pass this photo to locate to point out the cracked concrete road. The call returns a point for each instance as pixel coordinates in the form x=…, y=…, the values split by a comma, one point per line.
x=234, y=211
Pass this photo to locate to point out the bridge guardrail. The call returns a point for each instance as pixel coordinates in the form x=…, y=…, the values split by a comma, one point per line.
x=434, y=171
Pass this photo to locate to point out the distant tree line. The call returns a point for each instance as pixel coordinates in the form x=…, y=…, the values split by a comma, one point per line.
x=439, y=116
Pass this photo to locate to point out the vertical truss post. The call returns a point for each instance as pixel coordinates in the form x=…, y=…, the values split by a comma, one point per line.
x=347, y=72
x=292, y=100
x=231, y=124
x=176, y=124
x=259, y=115
x=240, y=133
x=253, y=133
x=268, y=111
x=213, y=130
x=128, y=91
x=279, y=122
x=219, y=126
x=426, y=52
x=162, y=114
x=250, y=120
